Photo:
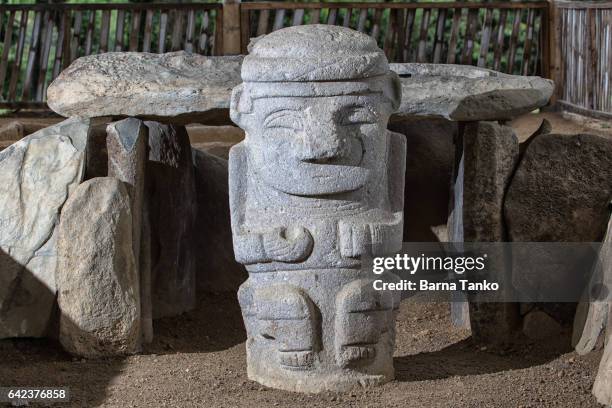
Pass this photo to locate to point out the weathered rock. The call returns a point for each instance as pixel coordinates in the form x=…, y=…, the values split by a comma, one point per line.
x=490, y=157
x=538, y=325
x=183, y=88
x=462, y=93
x=171, y=197
x=561, y=190
x=217, y=269
x=429, y=143
x=317, y=183
x=560, y=193
x=12, y=131
x=97, y=276
x=37, y=174
x=176, y=86
x=127, y=158
x=490, y=154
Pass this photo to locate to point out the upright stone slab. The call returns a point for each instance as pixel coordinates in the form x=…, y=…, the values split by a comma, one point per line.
x=489, y=156
x=317, y=183
x=98, y=282
x=127, y=156
x=171, y=204
x=37, y=174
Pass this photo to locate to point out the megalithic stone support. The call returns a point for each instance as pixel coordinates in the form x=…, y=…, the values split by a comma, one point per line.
x=317, y=183
x=126, y=144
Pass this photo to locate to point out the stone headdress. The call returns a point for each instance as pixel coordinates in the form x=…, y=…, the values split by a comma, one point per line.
x=314, y=60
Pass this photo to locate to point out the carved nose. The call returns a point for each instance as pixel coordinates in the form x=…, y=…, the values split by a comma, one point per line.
x=321, y=143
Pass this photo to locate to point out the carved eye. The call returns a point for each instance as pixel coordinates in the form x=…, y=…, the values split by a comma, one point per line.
x=358, y=115
x=285, y=119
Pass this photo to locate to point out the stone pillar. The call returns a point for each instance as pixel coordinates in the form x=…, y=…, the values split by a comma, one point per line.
x=317, y=183
x=126, y=144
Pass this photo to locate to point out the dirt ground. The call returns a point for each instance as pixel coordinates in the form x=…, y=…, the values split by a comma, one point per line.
x=198, y=359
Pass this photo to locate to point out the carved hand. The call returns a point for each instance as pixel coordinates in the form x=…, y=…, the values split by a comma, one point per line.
x=291, y=244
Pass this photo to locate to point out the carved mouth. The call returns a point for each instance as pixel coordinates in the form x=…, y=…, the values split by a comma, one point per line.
x=357, y=353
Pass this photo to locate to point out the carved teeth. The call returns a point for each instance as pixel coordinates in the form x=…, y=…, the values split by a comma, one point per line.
x=296, y=359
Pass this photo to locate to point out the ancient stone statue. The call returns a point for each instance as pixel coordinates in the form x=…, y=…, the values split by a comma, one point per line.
x=317, y=183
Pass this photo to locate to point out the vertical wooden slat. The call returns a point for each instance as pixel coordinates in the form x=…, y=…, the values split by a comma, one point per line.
x=177, y=31
x=470, y=35
x=401, y=35
x=134, y=33
x=245, y=25
x=76, y=35
x=279, y=19
x=90, y=28
x=8, y=38
x=390, y=33
x=163, y=24
x=190, y=31
x=439, y=39
x=452, y=44
x=499, y=41
x=363, y=17
x=16, y=68
x=34, y=46
x=528, y=41
x=59, y=46
x=262, y=22
x=315, y=17
x=203, y=39
x=217, y=39
x=43, y=63
x=119, y=30
x=347, y=17
x=331, y=17
x=146, y=39
x=513, y=40
x=485, y=38
x=104, y=30
x=376, y=24
x=409, y=55
x=298, y=17
x=421, y=55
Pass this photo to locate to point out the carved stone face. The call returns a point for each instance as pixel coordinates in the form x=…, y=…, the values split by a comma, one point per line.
x=317, y=145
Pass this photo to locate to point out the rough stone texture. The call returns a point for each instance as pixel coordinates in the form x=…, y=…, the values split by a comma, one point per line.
x=429, y=143
x=12, y=131
x=98, y=282
x=559, y=193
x=127, y=158
x=217, y=269
x=561, y=190
x=171, y=197
x=538, y=325
x=181, y=87
x=178, y=86
x=461, y=93
x=36, y=176
x=490, y=154
x=317, y=183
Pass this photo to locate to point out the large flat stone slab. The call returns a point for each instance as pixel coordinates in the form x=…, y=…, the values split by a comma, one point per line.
x=187, y=88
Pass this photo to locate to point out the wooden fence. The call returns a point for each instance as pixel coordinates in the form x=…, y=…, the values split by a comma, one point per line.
x=508, y=37
x=38, y=41
x=584, y=57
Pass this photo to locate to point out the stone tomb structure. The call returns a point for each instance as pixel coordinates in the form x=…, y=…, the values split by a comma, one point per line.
x=317, y=183
x=104, y=205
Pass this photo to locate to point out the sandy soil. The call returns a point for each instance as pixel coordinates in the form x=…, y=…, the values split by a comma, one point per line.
x=198, y=359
